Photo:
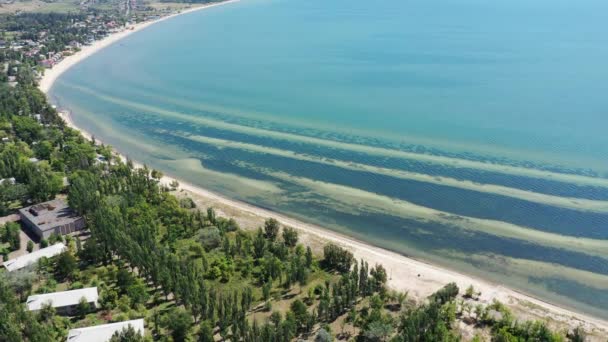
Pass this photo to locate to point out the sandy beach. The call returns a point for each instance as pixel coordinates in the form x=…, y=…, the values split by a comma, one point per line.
x=50, y=75
x=420, y=279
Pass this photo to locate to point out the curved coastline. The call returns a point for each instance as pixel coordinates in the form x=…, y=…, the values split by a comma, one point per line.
x=407, y=274
x=51, y=75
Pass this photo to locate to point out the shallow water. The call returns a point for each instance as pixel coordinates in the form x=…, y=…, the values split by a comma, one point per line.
x=466, y=133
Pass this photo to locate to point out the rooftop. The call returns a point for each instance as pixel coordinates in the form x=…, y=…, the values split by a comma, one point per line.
x=28, y=259
x=102, y=333
x=61, y=299
x=49, y=214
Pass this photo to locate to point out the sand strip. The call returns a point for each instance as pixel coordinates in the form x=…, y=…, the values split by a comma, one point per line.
x=51, y=75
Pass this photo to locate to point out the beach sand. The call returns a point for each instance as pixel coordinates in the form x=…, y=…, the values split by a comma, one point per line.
x=51, y=75
x=418, y=278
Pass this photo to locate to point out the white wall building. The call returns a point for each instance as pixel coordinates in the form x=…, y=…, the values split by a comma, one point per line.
x=31, y=258
x=103, y=333
x=65, y=302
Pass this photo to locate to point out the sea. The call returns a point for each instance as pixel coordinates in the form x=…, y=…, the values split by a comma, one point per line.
x=470, y=134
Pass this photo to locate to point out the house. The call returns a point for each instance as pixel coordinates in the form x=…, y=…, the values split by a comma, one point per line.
x=29, y=259
x=51, y=217
x=103, y=333
x=99, y=159
x=75, y=45
x=64, y=302
x=47, y=63
x=11, y=181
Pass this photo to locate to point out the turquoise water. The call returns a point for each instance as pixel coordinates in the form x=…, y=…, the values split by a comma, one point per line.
x=466, y=133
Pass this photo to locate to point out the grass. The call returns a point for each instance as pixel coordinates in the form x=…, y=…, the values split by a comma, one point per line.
x=61, y=6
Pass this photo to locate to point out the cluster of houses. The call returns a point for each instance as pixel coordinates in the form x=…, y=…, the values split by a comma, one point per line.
x=67, y=303
x=53, y=59
x=97, y=27
x=56, y=217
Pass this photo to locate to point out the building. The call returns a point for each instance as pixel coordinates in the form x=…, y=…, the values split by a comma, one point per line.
x=65, y=302
x=51, y=217
x=31, y=258
x=11, y=180
x=47, y=63
x=103, y=333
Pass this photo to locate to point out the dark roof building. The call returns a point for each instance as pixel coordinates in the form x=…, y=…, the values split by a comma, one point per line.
x=50, y=217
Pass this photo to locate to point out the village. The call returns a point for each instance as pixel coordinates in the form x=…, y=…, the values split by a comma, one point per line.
x=30, y=43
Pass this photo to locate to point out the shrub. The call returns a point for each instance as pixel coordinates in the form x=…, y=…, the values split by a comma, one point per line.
x=210, y=238
x=337, y=258
x=30, y=246
x=187, y=203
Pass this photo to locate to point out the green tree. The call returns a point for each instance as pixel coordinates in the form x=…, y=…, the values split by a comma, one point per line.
x=211, y=215
x=271, y=229
x=108, y=299
x=83, y=196
x=27, y=129
x=11, y=235
x=210, y=238
x=470, y=292
x=124, y=279
x=138, y=293
x=309, y=258
x=66, y=265
x=379, y=330
x=178, y=322
x=43, y=183
x=259, y=245
x=30, y=246
x=83, y=307
x=276, y=318
x=20, y=282
x=43, y=150
x=445, y=294
x=266, y=289
x=156, y=174
x=577, y=335
x=205, y=332
x=128, y=334
x=290, y=236
x=336, y=257
x=298, y=308
x=323, y=336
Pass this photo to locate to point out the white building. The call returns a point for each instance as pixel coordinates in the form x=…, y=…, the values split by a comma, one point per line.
x=103, y=333
x=11, y=180
x=64, y=302
x=32, y=258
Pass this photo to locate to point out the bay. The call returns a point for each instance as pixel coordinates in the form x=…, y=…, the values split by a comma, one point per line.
x=467, y=133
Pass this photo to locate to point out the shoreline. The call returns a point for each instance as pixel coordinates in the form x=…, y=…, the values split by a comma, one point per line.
x=417, y=277
x=51, y=75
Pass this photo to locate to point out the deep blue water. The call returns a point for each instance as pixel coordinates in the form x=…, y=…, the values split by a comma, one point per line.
x=331, y=111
